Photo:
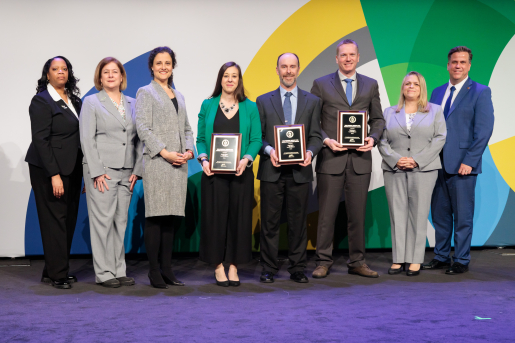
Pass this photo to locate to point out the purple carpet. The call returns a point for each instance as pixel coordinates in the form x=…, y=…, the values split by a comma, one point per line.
x=478, y=306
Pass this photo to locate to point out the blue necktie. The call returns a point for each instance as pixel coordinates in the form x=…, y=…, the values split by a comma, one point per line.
x=287, y=108
x=348, y=91
x=448, y=103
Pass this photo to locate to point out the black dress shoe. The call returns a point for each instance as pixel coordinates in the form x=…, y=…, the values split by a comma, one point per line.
x=61, y=284
x=457, y=268
x=266, y=277
x=234, y=283
x=172, y=281
x=111, y=283
x=69, y=278
x=394, y=271
x=126, y=281
x=436, y=264
x=299, y=277
x=155, y=282
x=221, y=283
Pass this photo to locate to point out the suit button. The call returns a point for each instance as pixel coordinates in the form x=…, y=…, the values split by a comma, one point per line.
x=124, y=130
x=408, y=136
x=124, y=144
x=408, y=148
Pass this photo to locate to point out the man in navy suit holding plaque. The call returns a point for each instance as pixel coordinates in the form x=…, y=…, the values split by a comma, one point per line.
x=291, y=183
x=469, y=115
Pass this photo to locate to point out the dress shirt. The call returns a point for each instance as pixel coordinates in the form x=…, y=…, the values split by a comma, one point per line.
x=293, y=98
x=56, y=97
x=120, y=107
x=409, y=120
x=344, y=84
x=448, y=91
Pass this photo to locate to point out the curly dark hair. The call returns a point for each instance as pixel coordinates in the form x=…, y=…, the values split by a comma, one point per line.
x=152, y=56
x=71, y=85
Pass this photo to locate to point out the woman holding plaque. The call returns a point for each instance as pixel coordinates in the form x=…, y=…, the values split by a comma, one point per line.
x=163, y=127
x=412, y=139
x=227, y=199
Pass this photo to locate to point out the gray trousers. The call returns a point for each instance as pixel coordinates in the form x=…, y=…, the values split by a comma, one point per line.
x=409, y=199
x=107, y=222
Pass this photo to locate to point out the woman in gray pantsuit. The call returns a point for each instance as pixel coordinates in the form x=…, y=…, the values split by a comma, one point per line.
x=412, y=139
x=163, y=127
x=111, y=166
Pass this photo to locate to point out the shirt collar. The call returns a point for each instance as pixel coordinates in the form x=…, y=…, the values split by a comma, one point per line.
x=343, y=77
x=458, y=85
x=293, y=92
x=53, y=93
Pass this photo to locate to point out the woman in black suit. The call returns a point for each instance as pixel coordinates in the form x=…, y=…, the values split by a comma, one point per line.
x=55, y=165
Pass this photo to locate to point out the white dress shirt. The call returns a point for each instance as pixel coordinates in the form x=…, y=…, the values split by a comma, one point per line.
x=448, y=91
x=56, y=97
x=344, y=84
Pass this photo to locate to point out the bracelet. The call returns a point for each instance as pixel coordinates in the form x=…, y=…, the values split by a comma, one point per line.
x=192, y=155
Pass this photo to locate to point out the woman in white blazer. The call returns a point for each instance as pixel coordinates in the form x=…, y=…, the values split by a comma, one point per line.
x=413, y=136
x=112, y=164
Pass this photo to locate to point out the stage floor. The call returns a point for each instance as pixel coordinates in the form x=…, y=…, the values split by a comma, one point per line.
x=478, y=306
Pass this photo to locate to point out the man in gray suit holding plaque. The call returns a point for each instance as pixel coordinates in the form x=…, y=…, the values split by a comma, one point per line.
x=341, y=170
x=283, y=179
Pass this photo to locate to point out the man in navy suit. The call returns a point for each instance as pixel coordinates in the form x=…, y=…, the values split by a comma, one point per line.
x=469, y=115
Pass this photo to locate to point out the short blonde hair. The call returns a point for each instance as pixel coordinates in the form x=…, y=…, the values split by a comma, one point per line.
x=100, y=67
x=423, y=104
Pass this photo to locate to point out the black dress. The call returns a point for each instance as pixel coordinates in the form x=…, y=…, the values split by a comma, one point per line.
x=227, y=202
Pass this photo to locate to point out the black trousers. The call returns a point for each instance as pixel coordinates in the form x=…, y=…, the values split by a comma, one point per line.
x=227, y=202
x=330, y=189
x=272, y=196
x=57, y=217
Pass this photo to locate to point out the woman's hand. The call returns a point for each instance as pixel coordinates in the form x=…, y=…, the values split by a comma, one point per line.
x=101, y=182
x=241, y=166
x=133, y=180
x=205, y=167
x=57, y=186
x=406, y=163
x=169, y=156
x=183, y=158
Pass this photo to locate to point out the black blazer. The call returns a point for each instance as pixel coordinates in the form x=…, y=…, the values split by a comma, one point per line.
x=271, y=113
x=329, y=89
x=55, y=135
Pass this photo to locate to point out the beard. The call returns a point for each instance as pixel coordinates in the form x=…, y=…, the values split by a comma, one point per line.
x=286, y=83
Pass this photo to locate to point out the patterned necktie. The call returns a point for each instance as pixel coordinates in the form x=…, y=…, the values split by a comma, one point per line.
x=287, y=108
x=448, y=103
x=348, y=91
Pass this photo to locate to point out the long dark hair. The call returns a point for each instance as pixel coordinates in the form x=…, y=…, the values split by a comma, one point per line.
x=152, y=56
x=239, y=92
x=72, y=90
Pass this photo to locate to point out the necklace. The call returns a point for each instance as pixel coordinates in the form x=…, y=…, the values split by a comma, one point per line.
x=225, y=109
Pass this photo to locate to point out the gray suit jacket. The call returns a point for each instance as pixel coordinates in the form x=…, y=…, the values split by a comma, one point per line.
x=329, y=89
x=423, y=143
x=160, y=126
x=106, y=140
x=271, y=113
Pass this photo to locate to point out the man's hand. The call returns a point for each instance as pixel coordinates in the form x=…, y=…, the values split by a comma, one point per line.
x=369, y=146
x=334, y=145
x=464, y=169
x=273, y=158
x=307, y=161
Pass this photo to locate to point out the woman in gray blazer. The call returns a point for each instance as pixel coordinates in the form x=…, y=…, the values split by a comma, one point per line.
x=412, y=139
x=112, y=164
x=163, y=127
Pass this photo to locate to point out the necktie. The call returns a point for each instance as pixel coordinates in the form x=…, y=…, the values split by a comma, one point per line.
x=348, y=91
x=287, y=108
x=448, y=103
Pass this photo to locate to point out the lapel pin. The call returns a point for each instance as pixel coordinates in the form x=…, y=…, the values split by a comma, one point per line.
x=63, y=106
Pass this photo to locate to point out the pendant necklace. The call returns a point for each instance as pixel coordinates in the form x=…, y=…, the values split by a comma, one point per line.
x=225, y=109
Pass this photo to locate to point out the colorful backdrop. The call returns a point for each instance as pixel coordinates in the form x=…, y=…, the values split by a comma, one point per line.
x=394, y=37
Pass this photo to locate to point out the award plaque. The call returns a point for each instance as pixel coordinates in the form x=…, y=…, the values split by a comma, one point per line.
x=290, y=143
x=225, y=153
x=352, y=128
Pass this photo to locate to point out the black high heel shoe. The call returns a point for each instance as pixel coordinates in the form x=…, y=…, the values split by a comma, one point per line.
x=172, y=281
x=234, y=283
x=156, y=283
x=413, y=272
x=394, y=271
x=222, y=283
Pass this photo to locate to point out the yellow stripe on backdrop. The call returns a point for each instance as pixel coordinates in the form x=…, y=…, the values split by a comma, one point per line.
x=307, y=32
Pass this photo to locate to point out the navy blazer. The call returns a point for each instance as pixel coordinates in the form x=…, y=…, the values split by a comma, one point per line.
x=470, y=124
x=55, y=135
